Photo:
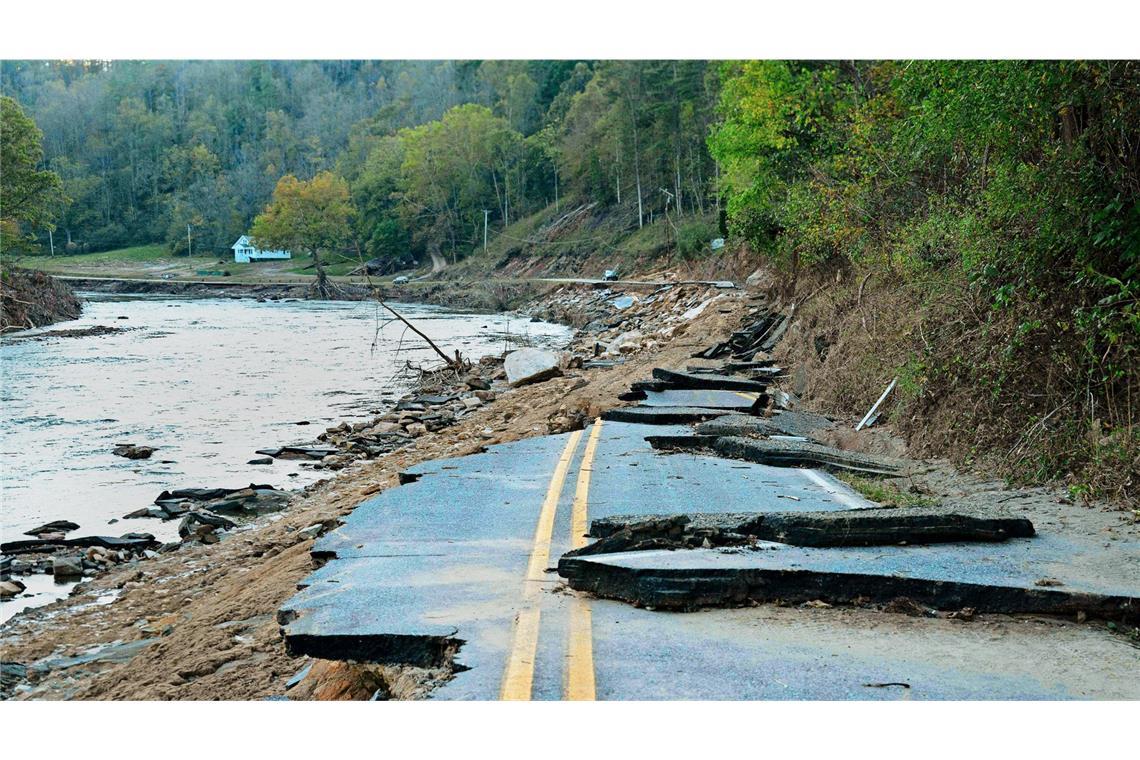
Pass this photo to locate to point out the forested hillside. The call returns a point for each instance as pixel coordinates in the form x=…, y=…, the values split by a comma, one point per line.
x=146, y=148
x=978, y=226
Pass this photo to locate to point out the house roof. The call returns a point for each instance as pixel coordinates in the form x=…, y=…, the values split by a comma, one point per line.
x=241, y=242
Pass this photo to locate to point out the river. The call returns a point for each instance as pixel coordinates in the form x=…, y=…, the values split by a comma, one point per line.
x=207, y=381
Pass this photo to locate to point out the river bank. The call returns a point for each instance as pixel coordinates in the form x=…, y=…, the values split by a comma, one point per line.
x=199, y=623
x=31, y=299
x=479, y=296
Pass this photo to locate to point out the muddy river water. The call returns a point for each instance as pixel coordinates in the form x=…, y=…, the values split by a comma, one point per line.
x=207, y=381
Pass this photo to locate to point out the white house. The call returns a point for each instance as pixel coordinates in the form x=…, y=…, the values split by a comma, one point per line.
x=245, y=252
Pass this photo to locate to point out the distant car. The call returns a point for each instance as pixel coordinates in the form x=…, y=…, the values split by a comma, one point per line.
x=610, y=275
x=402, y=279
x=167, y=276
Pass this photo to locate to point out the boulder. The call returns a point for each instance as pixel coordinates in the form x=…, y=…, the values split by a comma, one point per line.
x=130, y=451
x=9, y=589
x=478, y=383
x=312, y=531
x=67, y=567
x=531, y=365
x=261, y=460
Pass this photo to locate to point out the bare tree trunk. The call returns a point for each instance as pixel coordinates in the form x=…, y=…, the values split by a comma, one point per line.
x=677, y=165
x=637, y=171
x=323, y=290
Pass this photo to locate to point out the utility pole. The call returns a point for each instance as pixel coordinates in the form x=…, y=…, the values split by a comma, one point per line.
x=51, y=241
x=486, y=213
x=188, y=251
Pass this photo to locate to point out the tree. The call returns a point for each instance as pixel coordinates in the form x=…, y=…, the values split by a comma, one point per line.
x=311, y=216
x=29, y=195
x=454, y=168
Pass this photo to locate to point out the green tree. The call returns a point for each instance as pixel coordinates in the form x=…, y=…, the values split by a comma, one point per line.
x=454, y=168
x=30, y=196
x=311, y=216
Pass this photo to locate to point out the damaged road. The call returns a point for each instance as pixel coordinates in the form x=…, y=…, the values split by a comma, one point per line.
x=455, y=566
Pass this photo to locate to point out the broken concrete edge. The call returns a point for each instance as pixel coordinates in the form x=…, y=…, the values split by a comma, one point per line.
x=882, y=526
x=379, y=649
x=693, y=589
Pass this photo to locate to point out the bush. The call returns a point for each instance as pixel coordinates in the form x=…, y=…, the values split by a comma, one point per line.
x=693, y=238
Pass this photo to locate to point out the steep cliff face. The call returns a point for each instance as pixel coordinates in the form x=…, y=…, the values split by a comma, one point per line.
x=33, y=299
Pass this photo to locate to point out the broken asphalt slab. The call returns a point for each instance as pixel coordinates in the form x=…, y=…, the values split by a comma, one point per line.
x=780, y=423
x=130, y=541
x=740, y=401
x=1005, y=577
x=862, y=527
x=706, y=381
x=778, y=452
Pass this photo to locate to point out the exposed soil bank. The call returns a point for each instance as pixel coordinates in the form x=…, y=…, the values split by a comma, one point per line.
x=30, y=299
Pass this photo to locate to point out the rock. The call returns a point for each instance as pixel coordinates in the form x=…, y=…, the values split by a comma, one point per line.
x=56, y=526
x=131, y=451
x=312, y=531
x=194, y=520
x=261, y=460
x=67, y=567
x=531, y=365
x=478, y=383
x=9, y=589
x=416, y=429
x=473, y=402
x=485, y=396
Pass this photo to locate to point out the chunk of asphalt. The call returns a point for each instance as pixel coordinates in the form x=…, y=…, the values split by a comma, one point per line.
x=885, y=526
x=662, y=415
x=739, y=401
x=649, y=385
x=131, y=541
x=781, y=423
x=988, y=577
x=777, y=453
x=707, y=381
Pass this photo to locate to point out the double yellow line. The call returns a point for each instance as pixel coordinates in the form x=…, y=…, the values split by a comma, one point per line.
x=518, y=678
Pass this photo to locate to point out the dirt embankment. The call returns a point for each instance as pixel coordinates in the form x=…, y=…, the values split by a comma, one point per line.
x=30, y=299
x=985, y=389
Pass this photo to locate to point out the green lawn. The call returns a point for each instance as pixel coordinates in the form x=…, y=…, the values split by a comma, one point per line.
x=148, y=261
x=134, y=254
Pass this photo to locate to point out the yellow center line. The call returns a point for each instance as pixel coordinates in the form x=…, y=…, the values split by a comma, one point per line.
x=518, y=678
x=580, y=654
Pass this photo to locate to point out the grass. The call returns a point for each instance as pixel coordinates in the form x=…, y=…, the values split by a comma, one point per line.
x=134, y=254
x=885, y=492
